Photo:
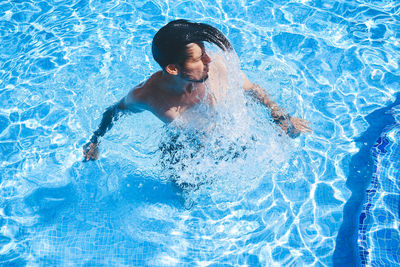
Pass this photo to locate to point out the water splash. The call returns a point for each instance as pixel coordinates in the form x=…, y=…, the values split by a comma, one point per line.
x=214, y=147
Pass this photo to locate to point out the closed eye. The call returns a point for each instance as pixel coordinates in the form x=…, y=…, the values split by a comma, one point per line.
x=202, y=55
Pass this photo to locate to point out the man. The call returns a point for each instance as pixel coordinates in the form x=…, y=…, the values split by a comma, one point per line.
x=178, y=48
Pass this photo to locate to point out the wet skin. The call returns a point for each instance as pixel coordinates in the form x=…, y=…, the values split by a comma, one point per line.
x=172, y=91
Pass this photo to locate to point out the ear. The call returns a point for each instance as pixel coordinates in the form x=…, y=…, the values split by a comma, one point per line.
x=172, y=69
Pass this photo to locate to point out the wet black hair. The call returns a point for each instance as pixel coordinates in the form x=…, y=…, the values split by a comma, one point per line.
x=169, y=43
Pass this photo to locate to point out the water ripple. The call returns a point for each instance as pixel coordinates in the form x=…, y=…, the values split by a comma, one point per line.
x=63, y=62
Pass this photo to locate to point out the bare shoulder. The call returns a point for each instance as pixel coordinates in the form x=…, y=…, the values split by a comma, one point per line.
x=139, y=96
x=146, y=89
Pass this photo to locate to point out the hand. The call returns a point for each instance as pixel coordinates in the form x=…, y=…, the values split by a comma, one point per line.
x=295, y=126
x=301, y=125
x=91, y=151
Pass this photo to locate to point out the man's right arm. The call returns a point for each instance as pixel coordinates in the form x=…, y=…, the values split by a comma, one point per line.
x=111, y=115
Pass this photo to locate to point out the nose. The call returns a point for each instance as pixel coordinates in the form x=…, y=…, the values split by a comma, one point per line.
x=206, y=59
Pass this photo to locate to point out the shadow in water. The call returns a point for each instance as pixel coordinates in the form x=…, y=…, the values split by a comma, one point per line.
x=361, y=168
x=99, y=182
x=138, y=189
x=48, y=203
x=89, y=191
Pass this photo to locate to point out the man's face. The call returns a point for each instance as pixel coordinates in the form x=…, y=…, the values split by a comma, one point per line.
x=195, y=68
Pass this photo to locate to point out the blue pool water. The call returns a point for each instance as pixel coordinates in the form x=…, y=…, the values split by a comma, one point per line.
x=327, y=198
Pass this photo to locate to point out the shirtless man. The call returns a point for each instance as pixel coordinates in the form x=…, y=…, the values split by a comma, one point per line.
x=178, y=48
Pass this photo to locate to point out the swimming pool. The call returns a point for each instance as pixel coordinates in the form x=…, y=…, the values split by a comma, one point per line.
x=283, y=202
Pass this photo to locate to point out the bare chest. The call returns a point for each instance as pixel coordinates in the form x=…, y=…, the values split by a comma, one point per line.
x=169, y=108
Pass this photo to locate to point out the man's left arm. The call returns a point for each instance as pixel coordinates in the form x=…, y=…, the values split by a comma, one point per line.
x=291, y=125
